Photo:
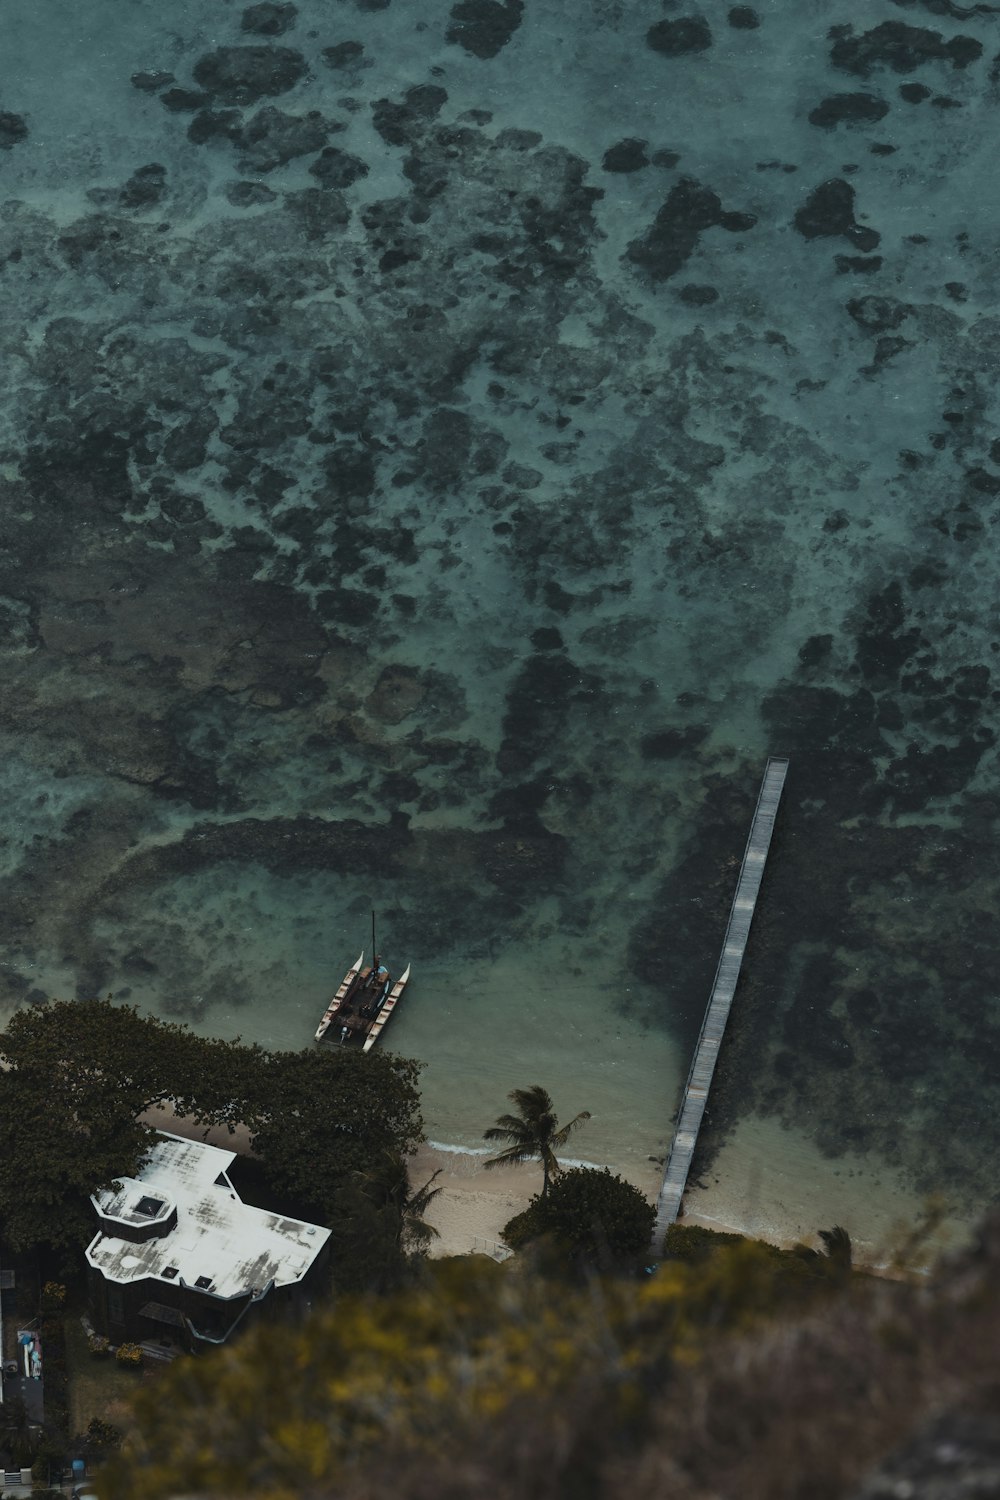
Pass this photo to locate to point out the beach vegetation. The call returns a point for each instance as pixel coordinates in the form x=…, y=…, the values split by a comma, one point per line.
x=694, y=1243
x=837, y=1245
x=589, y=1218
x=532, y=1134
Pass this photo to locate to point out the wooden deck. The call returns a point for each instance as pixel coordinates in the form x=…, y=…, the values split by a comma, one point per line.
x=713, y=1026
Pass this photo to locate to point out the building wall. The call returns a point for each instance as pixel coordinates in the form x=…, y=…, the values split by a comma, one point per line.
x=115, y=1308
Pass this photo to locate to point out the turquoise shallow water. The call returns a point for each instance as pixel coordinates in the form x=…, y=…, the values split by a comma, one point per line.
x=446, y=448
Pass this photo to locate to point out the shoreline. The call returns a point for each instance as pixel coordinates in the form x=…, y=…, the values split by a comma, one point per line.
x=766, y=1183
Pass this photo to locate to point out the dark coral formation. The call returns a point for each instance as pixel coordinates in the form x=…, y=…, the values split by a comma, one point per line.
x=673, y=236
x=484, y=27
x=680, y=37
x=13, y=129
x=902, y=48
x=849, y=109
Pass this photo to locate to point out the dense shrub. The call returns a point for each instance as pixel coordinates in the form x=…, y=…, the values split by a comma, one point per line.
x=53, y=1297
x=692, y=1243
x=593, y=1217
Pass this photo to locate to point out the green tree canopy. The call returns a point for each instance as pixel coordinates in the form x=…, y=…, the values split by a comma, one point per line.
x=594, y=1217
x=533, y=1134
x=318, y=1116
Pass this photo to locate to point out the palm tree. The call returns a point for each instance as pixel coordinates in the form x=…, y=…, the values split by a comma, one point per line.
x=387, y=1184
x=533, y=1133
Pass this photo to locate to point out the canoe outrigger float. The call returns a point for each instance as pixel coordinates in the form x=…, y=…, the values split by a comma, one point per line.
x=366, y=999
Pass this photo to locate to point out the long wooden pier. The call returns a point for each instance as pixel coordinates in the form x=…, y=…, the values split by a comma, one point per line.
x=717, y=1013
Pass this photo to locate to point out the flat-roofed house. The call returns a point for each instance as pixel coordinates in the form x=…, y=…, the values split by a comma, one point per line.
x=179, y=1258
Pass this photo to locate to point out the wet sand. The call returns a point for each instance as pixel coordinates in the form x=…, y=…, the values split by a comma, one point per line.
x=776, y=1185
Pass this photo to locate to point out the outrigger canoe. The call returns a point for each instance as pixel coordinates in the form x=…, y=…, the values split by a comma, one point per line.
x=362, y=1006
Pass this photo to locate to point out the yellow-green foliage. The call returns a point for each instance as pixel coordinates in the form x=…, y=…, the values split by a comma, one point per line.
x=424, y=1369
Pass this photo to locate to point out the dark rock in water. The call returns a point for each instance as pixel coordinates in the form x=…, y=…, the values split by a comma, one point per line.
x=184, y=101
x=850, y=109
x=513, y=861
x=185, y=447
x=182, y=509
x=914, y=93
x=484, y=27
x=13, y=129
x=557, y=598
x=878, y=314
x=514, y=139
x=828, y=212
x=90, y=471
x=982, y=480
x=272, y=138
x=337, y=169
x=667, y=744
x=678, y=38
x=858, y=265
x=883, y=646
x=347, y=606
x=743, y=18
x=145, y=188
x=902, y=48
x=269, y=18
x=816, y=719
x=547, y=638
x=319, y=212
x=211, y=124
x=447, y=444
x=397, y=124
x=696, y=295
x=397, y=787
x=941, y=771
x=671, y=238
x=151, y=82
x=538, y=703
x=343, y=55
x=242, y=75
x=399, y=691
x=626, y=156
x=249, y=194
x=816, y=649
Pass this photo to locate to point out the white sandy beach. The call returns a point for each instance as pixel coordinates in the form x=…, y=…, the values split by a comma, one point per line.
x=475, y=1202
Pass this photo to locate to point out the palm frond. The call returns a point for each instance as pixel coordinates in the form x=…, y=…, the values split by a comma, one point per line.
x=531, y=1102
x=562, y=1136
x=513, y=1156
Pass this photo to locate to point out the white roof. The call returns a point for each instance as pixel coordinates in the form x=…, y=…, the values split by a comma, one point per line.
x=217, y=1237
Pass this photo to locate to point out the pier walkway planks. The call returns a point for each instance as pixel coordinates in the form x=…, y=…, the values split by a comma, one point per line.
x=717, y=1014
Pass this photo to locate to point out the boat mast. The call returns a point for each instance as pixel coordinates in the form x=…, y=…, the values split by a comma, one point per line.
x=374, y=949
